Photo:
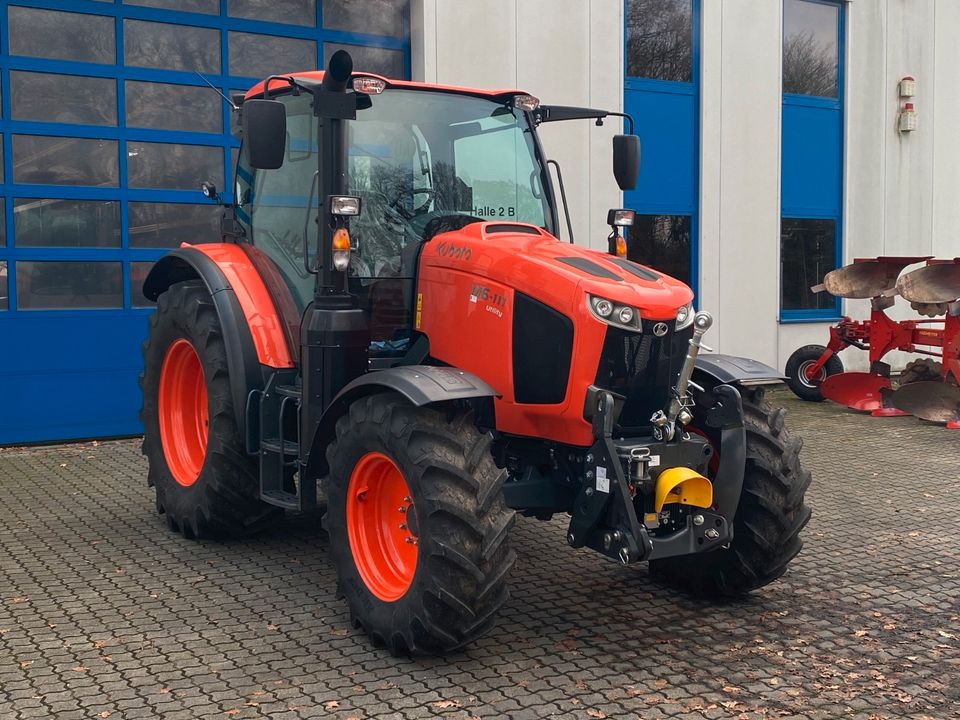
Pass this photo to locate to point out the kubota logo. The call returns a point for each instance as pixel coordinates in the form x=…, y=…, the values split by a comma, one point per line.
x=660, y=329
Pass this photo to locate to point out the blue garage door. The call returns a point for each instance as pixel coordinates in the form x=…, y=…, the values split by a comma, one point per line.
x=105, y=134
x=662, y=94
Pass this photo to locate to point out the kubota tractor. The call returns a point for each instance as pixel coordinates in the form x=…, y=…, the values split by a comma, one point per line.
x=390, y=315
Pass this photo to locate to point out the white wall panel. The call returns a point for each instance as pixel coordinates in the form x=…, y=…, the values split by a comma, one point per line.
x=566, y=52
x=749, y=178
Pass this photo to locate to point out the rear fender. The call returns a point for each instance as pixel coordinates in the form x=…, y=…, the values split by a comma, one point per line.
x=251, y=329
x=419, y=384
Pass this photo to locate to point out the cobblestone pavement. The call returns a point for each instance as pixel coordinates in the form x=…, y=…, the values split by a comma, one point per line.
x=106, y=614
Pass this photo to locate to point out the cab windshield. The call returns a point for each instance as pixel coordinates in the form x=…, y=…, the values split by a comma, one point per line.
x=421, y=162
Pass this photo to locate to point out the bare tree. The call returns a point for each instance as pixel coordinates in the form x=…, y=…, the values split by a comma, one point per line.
x=809, y=66
x=659, y=39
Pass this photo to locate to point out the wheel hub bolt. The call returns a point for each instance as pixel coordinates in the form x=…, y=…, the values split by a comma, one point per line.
x=698, y=519
x=607, y=541
x=401, y=509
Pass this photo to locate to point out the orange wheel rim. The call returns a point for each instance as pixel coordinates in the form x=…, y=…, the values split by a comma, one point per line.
x=382, y=526
x=183, y=412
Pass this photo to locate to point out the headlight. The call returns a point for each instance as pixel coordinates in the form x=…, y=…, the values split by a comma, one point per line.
x=685, y=317
x=603, y=307
x=614, y=313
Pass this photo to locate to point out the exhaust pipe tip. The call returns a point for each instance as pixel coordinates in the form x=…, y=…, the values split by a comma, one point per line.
x=338, y=72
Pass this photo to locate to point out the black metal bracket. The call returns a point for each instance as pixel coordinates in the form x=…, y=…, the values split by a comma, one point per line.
x=726, y=414
x=605, y=494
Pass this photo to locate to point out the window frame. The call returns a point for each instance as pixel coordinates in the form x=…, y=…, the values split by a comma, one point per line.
x=835, y=313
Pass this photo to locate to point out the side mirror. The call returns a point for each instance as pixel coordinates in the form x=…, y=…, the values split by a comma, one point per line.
x=265, y=133
x=626, y=160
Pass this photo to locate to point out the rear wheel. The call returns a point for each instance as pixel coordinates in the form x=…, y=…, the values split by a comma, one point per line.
x=804, y=387
x=206, y=485
x=419, y=532
x=770, y=516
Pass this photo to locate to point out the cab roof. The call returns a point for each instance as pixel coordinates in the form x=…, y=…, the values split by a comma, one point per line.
x=316, y=76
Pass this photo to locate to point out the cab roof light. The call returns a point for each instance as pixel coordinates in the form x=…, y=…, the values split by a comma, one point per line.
x=527, y=103
x=369, y=85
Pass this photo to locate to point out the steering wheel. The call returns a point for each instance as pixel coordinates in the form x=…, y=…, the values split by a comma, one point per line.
x=410, y=214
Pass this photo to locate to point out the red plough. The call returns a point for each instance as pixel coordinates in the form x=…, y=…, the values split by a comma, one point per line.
x=928, y=387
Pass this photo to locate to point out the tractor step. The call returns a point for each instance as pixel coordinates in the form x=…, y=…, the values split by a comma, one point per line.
x=278, y=444
x=291, y=391
x=274, y=445
x=286, y=500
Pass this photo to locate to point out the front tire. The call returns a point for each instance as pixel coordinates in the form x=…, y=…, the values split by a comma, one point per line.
x=809, y=388
x=419, y=532
x=206, y=484
x=769, y=518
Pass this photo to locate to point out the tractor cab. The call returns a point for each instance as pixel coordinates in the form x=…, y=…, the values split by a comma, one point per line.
x=418, y=162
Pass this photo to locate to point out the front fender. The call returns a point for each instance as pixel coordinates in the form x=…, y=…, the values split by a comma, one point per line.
x=733, y=370
x=419, y=384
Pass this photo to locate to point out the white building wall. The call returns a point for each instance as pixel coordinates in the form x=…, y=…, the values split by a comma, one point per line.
x=566, y=52
x=740, y=174
x=900, y=191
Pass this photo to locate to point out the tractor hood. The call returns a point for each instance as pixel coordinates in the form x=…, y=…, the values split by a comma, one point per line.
x=530, y=260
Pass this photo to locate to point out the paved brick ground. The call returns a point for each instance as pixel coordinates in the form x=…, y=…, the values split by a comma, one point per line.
x=104, y=613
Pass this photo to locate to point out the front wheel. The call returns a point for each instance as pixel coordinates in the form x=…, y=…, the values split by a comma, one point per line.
x=769, y=518
x=419, y=532
x=804, y=387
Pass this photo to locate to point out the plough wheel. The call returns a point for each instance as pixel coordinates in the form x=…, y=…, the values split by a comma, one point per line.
x=804, y=387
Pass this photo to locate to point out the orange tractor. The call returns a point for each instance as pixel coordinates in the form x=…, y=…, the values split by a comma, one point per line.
x=390, y=317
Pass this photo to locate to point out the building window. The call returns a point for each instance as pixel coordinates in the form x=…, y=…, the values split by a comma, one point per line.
x=380, y=17
x=660, y=39
x=811, y=179
x=39, y=222
x=69, y=285
x=808, y=250
x=810, y=48
x=662, y=242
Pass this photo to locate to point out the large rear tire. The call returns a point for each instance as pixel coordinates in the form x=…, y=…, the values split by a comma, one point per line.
x=770, y=516
x=206, y=485
x=809, y=388
x=419, y=532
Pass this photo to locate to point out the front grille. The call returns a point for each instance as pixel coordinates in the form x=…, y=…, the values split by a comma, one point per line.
x=643, y=368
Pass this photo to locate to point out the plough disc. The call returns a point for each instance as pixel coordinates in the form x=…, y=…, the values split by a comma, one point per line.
x=929, y=400
x=857, y=390
x=865, y=278
x=931, y=284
